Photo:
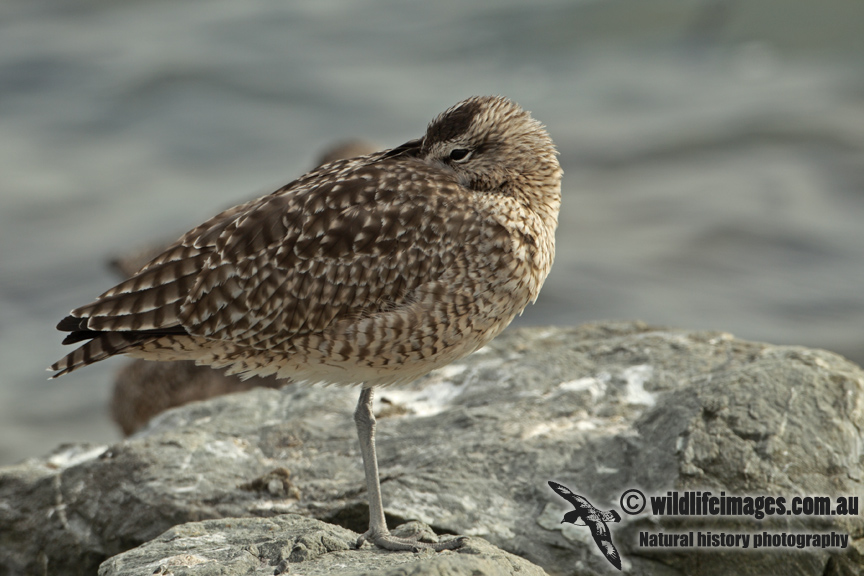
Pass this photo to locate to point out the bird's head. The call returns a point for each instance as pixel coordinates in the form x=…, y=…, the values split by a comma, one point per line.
x=493, y=145
x=574, y=517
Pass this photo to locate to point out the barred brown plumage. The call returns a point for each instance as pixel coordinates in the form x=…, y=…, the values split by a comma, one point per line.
x=373, y=270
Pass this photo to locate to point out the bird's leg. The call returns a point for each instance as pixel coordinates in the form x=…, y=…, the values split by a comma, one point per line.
x=364, y=418
x=378, y=532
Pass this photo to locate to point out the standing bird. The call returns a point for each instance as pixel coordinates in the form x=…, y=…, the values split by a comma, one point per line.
x=373, y=270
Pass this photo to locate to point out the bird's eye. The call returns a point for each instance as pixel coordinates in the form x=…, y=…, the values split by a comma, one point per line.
x=460, y=154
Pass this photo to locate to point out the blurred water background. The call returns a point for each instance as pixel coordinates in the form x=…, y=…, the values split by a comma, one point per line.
x=713, y=152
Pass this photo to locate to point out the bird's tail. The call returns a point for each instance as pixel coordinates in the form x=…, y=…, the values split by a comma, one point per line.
x=102, y=346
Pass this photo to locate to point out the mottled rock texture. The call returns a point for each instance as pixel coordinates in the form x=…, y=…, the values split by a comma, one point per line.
x=469, y=450
x=291, y=544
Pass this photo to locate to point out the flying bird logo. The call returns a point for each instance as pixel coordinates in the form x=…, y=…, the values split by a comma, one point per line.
x=585, y=514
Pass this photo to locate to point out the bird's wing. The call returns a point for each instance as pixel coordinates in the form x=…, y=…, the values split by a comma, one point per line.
x=603, y=538
x=151, y=299
x=580, y=502
x=346, y=240
x=349, y=247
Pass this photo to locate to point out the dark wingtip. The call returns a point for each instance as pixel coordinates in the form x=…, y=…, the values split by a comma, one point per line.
x=72, y=324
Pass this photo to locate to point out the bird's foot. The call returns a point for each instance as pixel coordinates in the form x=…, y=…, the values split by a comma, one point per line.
x=388, y=541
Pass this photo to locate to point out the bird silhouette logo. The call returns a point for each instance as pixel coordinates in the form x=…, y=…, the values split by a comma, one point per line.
x=585, y=514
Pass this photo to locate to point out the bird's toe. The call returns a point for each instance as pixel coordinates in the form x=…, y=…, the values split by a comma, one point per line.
x=388, y=541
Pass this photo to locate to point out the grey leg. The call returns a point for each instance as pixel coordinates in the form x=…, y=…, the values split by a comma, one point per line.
x=378, y=532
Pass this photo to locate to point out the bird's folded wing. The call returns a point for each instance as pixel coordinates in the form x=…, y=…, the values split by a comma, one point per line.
x=334, y=244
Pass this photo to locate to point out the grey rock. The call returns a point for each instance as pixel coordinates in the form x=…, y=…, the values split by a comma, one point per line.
x=469, y=449
x=291, y=544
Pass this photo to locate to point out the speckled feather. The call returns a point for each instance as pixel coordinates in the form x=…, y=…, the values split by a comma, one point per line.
x=371, y=270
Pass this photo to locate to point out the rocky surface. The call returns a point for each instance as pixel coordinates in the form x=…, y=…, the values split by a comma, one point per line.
x=291, y=544
x=469, y=450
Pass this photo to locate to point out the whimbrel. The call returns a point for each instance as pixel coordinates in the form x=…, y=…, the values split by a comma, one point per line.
x=372, y=271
